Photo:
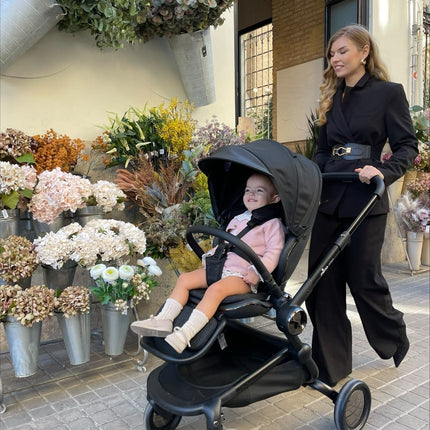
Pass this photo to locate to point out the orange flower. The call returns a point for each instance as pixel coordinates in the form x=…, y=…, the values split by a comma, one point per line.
x=57, y=151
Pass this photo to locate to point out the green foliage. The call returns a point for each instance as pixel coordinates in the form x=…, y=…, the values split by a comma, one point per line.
x=420, y=122
x=312, y=141
x=263, y=120
x=198, y=209
x=112, y=22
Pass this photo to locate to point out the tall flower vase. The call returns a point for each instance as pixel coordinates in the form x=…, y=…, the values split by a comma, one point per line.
x=23, y=343
x=425, y=253
x=43, y=227
x=414, y=245
x=58, y=279
x=76, y=331
x=115, y=327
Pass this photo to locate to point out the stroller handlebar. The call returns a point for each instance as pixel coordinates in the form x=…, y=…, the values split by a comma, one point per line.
x=353, y=176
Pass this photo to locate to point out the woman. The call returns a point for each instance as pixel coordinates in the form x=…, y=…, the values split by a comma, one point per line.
x=359, y=110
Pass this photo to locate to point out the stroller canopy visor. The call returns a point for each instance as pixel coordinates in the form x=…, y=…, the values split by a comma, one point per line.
x=296, y=179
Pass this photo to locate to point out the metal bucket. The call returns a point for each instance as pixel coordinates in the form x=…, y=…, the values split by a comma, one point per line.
x=9, y=222
x=84, y=215
x=77, y=336
x=23, y=343
x=115, y=327
x=58, y=279
x=43, y=227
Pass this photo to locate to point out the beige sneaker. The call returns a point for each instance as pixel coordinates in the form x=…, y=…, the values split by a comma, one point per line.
x=152, y=327
x=178, y=340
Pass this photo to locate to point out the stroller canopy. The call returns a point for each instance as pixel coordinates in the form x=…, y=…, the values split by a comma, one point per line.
x=296, y=178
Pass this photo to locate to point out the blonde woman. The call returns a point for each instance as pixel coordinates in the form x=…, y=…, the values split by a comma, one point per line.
x=359, y=110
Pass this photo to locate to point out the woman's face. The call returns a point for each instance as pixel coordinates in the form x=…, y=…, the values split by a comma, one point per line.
x=345, y=58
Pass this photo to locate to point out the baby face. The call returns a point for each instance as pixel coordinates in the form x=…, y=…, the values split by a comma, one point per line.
x=259, y=192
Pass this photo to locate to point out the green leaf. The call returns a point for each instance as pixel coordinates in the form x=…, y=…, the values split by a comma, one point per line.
x=27, y=193
x=26, y=158
x=10, y=200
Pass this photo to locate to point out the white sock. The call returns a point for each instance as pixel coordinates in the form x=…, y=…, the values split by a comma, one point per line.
x=194, y=324
x=170, y=310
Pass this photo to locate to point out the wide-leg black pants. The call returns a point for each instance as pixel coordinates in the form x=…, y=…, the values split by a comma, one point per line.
x=359, y=267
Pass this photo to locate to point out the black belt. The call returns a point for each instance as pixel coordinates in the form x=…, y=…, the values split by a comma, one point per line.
x=351, y=151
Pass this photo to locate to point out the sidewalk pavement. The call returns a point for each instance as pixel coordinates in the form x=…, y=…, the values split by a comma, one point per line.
x=110, y=393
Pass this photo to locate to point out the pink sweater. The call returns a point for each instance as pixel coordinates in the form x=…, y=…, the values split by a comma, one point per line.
x=267, y=241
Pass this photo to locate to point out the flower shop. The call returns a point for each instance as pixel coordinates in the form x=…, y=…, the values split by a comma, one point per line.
x=81, y=256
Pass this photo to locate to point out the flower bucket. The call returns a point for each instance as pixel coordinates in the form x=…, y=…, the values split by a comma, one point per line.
x=9, y=222
x=115, y=327
x=84, y=215
x=58, y=279
x=77, y=336
x=193, y=55
x=23, y=343
x=43, y=227
x=414, y=244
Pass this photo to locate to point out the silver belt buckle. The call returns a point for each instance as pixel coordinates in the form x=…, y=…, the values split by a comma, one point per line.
x=340, y=151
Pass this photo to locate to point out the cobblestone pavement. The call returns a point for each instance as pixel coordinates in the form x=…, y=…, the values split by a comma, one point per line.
x=110, y=393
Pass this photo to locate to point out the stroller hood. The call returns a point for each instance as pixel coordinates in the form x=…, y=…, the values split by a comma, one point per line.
x=296, y=179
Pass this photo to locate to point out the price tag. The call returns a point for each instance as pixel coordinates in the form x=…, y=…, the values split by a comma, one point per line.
x=4, y=213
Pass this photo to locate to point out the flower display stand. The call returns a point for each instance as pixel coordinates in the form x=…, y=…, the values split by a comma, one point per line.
x=193, y=55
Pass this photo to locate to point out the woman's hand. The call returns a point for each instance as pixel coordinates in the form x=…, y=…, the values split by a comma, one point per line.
x=366, y=173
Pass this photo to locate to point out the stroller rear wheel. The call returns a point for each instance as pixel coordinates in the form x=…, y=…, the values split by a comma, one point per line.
x=352, y=406
x=162, y=420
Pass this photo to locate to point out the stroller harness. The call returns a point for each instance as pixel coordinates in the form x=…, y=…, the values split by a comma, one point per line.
x=215, y=263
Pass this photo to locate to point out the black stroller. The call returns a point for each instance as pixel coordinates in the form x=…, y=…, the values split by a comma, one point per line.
x=230, y=363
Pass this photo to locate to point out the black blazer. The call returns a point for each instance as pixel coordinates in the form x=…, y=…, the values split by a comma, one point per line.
x=371, y=112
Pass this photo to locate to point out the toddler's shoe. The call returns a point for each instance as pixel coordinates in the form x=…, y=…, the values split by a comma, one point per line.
x=152, y=327
x=178, y=340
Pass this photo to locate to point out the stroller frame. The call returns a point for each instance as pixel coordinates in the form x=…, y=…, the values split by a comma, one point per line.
x=203, y=380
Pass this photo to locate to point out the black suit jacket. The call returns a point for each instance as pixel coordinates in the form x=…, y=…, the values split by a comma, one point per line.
x=371, y=112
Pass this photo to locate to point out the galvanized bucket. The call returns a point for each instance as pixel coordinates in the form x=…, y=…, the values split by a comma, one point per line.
x=115, y=327
x=43, y=227
x=23, y=343
x=9, y=222
x=84, y=215
x=58, y=279
x=77, y=336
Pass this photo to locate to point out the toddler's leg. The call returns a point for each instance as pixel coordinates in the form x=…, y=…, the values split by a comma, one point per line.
x=162, y=324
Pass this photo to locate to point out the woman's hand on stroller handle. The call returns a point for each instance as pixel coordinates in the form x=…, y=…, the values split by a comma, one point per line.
x=353, y=176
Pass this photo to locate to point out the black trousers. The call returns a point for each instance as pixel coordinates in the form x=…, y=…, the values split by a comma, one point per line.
x=359, y=267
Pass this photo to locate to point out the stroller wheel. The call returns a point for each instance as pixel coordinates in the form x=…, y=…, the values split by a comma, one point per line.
x=352, y=405
x=152, y=420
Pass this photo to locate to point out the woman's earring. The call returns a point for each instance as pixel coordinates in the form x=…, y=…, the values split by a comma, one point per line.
x=363, y=61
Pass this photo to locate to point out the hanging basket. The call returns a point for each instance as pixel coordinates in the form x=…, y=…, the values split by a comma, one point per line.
x=23, y=23
x=76, y=333
x=23, y=343
x=115, y=327
x=193, y=55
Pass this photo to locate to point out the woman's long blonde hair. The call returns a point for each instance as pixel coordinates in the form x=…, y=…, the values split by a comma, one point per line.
x=361, y=37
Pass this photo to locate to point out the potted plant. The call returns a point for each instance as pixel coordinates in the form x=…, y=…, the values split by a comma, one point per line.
x=120, y=289
x=414, y=217
x=16, y=189
x=72, y=307
x=22, y=314
x=17, y=259
x=54, y=150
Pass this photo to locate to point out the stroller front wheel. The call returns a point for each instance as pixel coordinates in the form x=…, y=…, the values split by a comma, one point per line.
x=152, y=420
x=352, y=406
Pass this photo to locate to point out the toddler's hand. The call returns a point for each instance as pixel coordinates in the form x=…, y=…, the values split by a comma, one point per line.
x=251, y=277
